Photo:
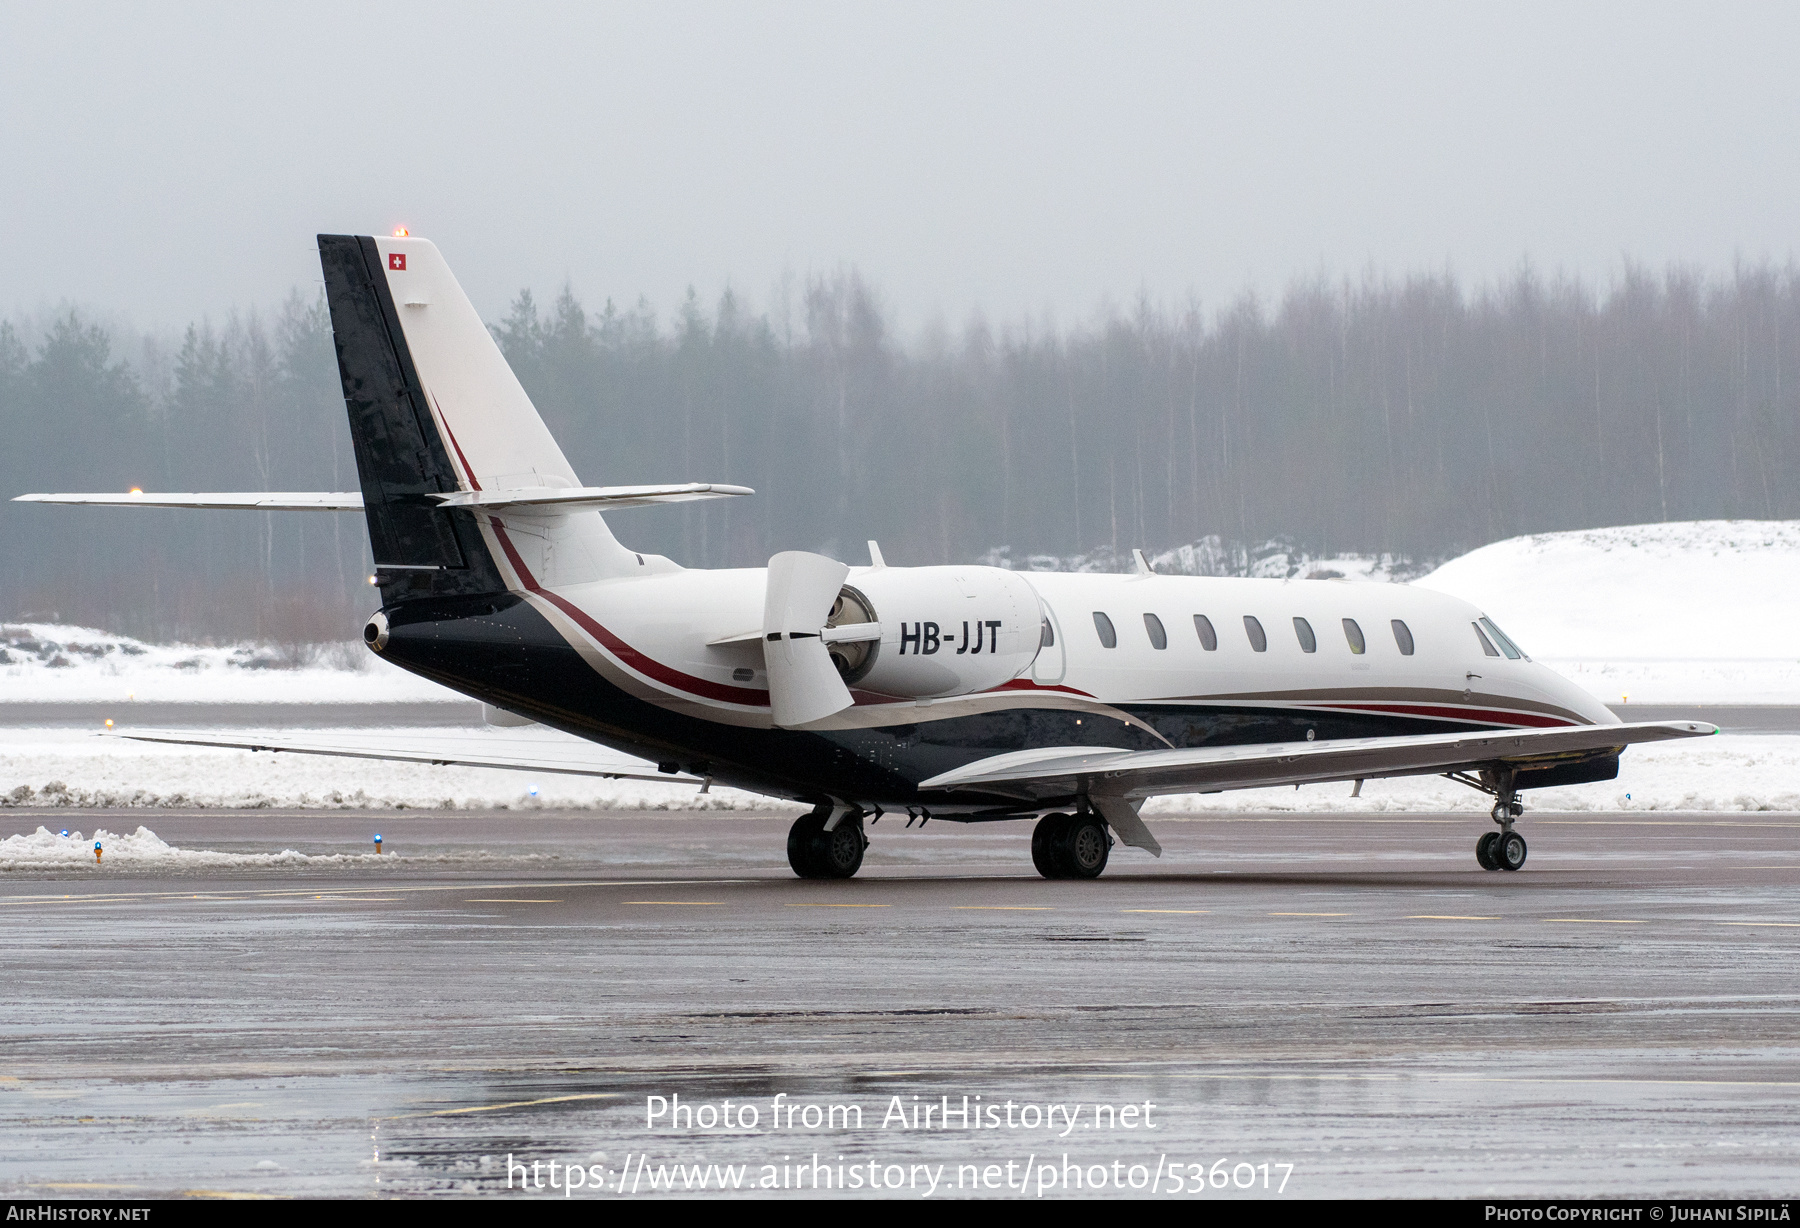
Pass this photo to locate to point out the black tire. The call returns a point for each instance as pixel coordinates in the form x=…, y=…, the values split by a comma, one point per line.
x=1484, y=850
x=1083, y=848
x=800, y=843
x=1509, y=851
x=814, y=852
x=1045, y=838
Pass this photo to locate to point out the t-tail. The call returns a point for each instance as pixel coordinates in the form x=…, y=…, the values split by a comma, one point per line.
x=463, y=488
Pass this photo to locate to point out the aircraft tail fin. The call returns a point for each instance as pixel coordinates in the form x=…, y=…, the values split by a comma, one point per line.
x=434, y=410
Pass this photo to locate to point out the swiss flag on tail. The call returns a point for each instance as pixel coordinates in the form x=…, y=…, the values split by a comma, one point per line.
x=397, y=261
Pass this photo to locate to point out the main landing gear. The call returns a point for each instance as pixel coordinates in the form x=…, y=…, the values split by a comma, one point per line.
x=817, y=853
x=1070, y=846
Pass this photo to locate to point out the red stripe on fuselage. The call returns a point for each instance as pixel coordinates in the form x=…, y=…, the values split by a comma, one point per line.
x=648, y=666
x=1486, y=715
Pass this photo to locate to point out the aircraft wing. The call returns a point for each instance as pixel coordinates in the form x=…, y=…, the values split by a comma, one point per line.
x=541, y=750
x=243, y=500
x=1057, y=771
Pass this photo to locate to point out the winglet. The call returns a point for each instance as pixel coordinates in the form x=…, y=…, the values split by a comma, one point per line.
x=1140, y=564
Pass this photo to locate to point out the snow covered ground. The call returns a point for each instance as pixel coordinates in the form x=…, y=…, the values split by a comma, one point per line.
x=1695, y=612
x=62, y=768
x=44, y=663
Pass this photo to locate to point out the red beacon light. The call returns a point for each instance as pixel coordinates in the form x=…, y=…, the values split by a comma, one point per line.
x=400, y=232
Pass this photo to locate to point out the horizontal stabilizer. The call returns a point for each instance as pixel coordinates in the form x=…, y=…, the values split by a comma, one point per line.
x=548, y=499
x=534, y=750
x=606, y=498
x=1057, y=771
x=243, y=500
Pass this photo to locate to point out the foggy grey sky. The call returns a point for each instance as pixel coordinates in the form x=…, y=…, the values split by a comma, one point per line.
x=175, y=160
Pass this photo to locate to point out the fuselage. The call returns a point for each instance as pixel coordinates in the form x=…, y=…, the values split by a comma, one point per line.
x=666, y=665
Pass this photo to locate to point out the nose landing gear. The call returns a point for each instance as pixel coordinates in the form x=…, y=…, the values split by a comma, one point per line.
x=1503, y=849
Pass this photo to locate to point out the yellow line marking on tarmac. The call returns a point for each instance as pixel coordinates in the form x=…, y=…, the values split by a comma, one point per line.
x=1786, y=925
x=1195, y=912
x=510, y=1104
x=683, y=903
x=840, y=905
x=999, y=908
x=1591, y=921
x=79, y=1185
x=1309, y=914
x=1425, y=916
x=233, y=1195
x=492, y=899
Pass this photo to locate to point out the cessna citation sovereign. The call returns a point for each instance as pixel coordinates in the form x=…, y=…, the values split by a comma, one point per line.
x=962, y=693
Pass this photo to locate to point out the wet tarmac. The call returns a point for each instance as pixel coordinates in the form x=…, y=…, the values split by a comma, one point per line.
x=1348, y=996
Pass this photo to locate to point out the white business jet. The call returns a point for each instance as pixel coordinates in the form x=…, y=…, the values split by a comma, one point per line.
x=963, y=693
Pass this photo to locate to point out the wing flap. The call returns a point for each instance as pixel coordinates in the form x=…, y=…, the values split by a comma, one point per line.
x=1059, y=771
x=540, y=751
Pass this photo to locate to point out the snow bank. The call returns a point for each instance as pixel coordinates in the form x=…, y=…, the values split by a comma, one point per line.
x=143, y=849
x=56, y=768
x=1700, y=611
x=1725, y=773
x=64, y=768
x=49, y=663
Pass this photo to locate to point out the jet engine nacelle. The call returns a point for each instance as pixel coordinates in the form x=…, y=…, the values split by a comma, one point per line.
x=945, y=630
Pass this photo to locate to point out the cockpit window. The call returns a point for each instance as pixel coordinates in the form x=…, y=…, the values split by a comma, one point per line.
x=1402, y=636
x=1047, y=639
x=1209, y=639
x=1511, y=649
x=1486, y=645
x=1304, y=632
x=1253, y=629
x=1354, y=635
x=1158, y=637
x=1108, y=637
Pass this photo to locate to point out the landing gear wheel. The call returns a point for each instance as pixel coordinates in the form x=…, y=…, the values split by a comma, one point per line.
x=1045, y=839
x=1084, y=847
x=1484, y=850
x=1509, y=850
x=814, y=852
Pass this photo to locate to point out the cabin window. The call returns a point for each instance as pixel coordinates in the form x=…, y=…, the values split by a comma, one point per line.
x=1209, y=639
x=1353, y=633
x=1512, y=650
x=1402, y=637
x=1047, y=638
x=1254, y=630
x=1158, y=637
x=1486, y=645
x=1108, y=637
x=1304, y=633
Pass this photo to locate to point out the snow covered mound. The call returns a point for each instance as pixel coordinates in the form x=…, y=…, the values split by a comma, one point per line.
x=52, y=768
x=49, y=663
x=1700, y=611
x=143, y=849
